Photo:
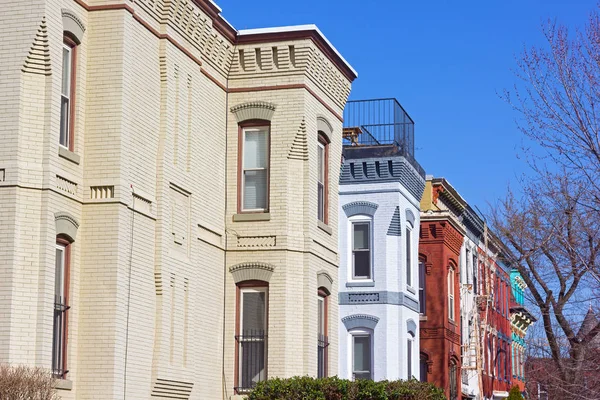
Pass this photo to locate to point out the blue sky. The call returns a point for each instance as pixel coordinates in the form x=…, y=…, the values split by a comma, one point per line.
x=445, y=61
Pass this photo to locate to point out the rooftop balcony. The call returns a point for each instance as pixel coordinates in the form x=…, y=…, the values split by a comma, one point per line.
x=380, y=122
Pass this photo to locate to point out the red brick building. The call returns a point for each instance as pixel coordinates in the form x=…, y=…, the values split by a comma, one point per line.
x=441, y=238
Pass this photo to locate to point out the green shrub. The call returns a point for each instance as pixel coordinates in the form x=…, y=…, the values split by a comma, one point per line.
x=515, y=394
x=307, y=388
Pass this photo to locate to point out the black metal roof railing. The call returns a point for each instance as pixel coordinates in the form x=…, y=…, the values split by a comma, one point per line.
x=377, y=122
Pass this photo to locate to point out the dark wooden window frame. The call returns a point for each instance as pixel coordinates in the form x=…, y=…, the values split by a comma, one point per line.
x=62, y=241
x=254, y=123
x=68, y=40
x=251, y=284
x=324, y=141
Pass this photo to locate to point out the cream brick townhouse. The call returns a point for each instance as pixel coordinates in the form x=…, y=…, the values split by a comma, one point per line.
x=168, y=195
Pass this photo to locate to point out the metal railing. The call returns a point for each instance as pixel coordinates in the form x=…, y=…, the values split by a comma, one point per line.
x=252, y=356
x=377, y=122
x=59, y=338
x=323, y=343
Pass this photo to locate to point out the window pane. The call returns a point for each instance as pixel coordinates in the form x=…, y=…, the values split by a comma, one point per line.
x=253, y=306
x=423, y=368
x=253, y=361
x=408, y=258
x=59, y=281
x=66, y=72
x=362, y=356
x=255, y=149
x=64, y=121
x=321, y=202
x=321, y=162
x=409, y=358
x=321, y=315
x=361, y=236
x=362, y=265
x=255, y=189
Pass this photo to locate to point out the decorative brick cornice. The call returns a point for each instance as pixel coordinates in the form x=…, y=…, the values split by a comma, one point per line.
x=395, y=228
x=360, y=321
x=67, y=217
x=299, y=148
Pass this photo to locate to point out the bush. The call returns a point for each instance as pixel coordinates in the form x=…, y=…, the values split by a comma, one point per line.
x=515, y=394
x=25, y=383
x=307, y=388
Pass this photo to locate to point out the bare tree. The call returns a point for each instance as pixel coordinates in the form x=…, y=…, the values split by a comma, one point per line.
x=26, y=383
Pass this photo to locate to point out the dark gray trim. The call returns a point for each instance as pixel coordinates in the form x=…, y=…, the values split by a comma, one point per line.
x=411, y=327
x=395, y=228
x=410, y=217
x=360, y=321
x=360, y=207
x=377, y=170
x=360, y=284
x=379, y=297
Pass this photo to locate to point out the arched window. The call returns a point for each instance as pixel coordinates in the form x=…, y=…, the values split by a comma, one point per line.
x=323, y=336
x=323, y=178
x=423, y=367
x=453, y=379
x=451, y=280
x=251, y=334
x=61, y=306
x=422, y=293
x=67, y=92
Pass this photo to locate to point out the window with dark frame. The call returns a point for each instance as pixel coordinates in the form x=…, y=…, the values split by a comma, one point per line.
x=408, y=255
x=361, y=250
x=67, y=93
x=254, y=168
x=451, y=294
x=61, y=308
x=362, y=356
x=322, y=178
x=422, y=272
x=423, y=367
x=251, y=351
x=323, y=338
x=453, y=380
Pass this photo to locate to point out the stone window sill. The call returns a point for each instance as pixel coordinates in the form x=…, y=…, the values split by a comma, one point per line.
x=411, y=289
x=360, y=284
x=64, y=384
x=422, y=317
x=251, y=217
x=323, y=226
x=69, y=155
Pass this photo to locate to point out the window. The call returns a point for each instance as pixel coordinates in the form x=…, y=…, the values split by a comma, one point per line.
x=453, y=380
x=323, y=339
x=67, y=93
x=255, y=169
x=252, y=337
x=467, y=266
x=475, y=269
x=423, y=367
x=361, y=250
x=361, y=355
x=409, y=352
x=61, y=308
x=422, y=272
x=408, y=255
x=322, y=178
x=451, y=294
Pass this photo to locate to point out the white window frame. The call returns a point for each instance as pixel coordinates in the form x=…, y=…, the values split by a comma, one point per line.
x=359, y=219
x=361, y=332
x=67, y=97
x=264, y=290
x=408, y=244
x=261, y=128
x=410, y=342
x=451, y=294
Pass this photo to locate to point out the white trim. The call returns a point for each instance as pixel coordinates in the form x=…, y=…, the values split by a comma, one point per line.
x=297, y=28
x=351, y=221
